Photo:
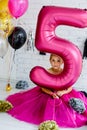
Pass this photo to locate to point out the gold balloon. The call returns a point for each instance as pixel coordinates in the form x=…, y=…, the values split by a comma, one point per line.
x=6, y=23
x=3, y=5
x=6, y=20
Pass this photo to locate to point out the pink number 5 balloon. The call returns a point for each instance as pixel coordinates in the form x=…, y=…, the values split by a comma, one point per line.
x=46, y=40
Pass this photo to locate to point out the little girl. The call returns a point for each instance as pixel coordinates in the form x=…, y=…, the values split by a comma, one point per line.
x=56, y=68
x=42, y=104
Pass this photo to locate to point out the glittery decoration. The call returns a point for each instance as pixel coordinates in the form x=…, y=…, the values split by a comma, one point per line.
x=5, y=106
x=22, y=84
x=77, y=104
x=48, y=125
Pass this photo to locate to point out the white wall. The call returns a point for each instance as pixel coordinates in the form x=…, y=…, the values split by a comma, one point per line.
x=25, y=59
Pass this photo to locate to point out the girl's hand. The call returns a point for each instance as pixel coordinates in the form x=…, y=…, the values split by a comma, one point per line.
x=65, y=91
x=60, y=93
x=54, y=95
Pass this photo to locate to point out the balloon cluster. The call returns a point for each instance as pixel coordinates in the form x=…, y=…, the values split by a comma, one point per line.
x=9, y=34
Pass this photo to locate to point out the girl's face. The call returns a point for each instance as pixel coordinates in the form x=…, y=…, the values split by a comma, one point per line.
x=56, y=62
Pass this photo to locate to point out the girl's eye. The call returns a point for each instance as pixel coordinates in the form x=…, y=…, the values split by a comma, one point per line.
x=58, y=60
x=53, y=60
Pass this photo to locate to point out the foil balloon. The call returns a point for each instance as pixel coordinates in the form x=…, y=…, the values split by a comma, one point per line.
x=46, y=41
x=17, y=38
x=3, y=5
x=17, y=7
x=6, y=22
x=3, y=46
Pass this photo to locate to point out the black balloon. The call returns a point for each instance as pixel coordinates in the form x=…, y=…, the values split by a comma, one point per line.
x=17, y=38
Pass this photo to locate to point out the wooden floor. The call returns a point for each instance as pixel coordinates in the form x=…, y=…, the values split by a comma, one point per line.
x=9, y=123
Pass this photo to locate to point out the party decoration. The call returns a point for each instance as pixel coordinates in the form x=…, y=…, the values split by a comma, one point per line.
x=6, y=23
x=17, y=7
x=8, y=87
x=5, y=106
x=3, y=5
x=22, y=84
x=17, y=38
x=30, y=41
x=47, y=41
x=3, y=46
x=6, y=20
x=77, y=104
x=48, y=125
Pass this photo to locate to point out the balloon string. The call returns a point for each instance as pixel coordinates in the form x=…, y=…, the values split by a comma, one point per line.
x=12, y=56
x=12, y=60
x=14, y=33
x=15, y=21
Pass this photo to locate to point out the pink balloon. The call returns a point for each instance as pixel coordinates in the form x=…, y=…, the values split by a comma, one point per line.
x=49, y=18
x=17, y=7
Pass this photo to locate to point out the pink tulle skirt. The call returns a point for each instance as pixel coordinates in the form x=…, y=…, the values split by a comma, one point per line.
x=34, y=106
